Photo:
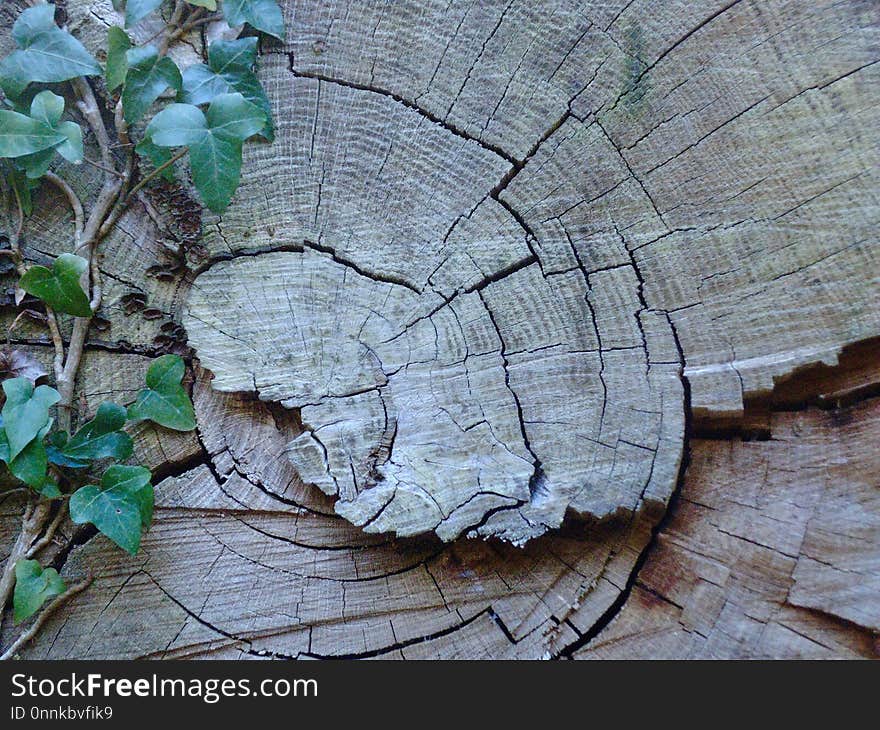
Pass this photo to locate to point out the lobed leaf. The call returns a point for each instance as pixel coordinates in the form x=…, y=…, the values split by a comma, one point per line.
x=119, y=508
x=147, y=77
x=214, y=140
x=46, y=53
x=102, y=437
x=45, y=111
x=264, y=15
x=59, y=287
x=47, y=108
x=25, y=412
x=165, y=401
x=22, y=135
x=34, y=585
x=229, y=70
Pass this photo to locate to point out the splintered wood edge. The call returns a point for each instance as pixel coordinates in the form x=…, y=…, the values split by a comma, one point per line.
x=790, y=173
x=452, y=378
x=424, y=417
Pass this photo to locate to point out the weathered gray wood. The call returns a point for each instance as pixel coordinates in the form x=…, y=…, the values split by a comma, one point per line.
x=596, y=194
x=585, y=195
x=270, y=570
x=450, y=378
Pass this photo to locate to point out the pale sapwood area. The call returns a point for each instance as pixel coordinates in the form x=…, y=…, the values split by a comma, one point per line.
x=508, y=263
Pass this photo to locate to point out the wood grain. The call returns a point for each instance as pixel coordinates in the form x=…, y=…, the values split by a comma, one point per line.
x=544, y=234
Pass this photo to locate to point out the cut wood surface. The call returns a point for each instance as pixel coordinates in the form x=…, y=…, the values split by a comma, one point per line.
x=772, y=549
x=446, y=342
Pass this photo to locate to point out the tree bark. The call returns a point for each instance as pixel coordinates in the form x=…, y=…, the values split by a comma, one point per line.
x=481, y=349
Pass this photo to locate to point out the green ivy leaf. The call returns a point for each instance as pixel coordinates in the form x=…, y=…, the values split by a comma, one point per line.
x=59, y=287
x=158, y=156
x=148, y=76
x=37, y=164
x=46, y=53
x=214, y=140
x=55, y=452
x=49, y=490
x=208, y=4
x=101, y=438
x=31, y=464
x=22, y=135
x=119, y=507
x=25, y=412
x=229, y=70
x=137, y=10
x=264, y=15
x=47, y=109
x=165, y=401
x=71, y=149
x=34, y=585
x=118, y=44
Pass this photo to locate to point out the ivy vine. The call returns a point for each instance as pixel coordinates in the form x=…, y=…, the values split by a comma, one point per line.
x=55, y=93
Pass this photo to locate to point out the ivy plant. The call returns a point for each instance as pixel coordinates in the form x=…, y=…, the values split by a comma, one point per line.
x=146, y=118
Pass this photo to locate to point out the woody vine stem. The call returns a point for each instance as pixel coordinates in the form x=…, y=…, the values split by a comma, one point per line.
x=217, y=108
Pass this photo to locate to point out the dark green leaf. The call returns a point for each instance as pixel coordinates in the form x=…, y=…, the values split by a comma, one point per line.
x=46, y=109
x=49, y=490
x=137, y=10
x=214, y=140
x=101, y=438
x=264, y=15
x=59, y=287
x=165, y=401
x=148, y=76
x=37, y=164
x=119, y=507
x=46, y=53
x=25, y=412
x=229, y=70
x=158, y=156
x=34, y=585
x=55, y=452
x=22, y=135
x=31, y=464
x=118, y=44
